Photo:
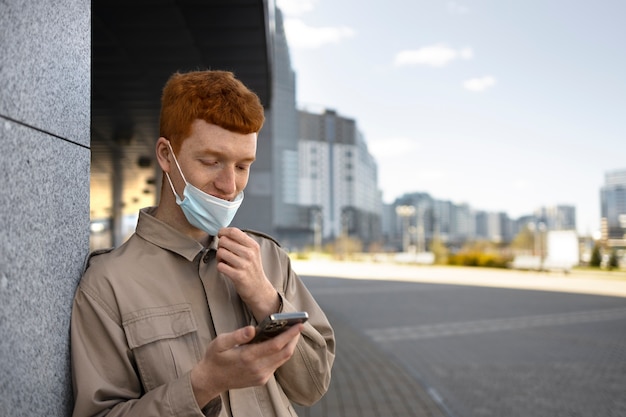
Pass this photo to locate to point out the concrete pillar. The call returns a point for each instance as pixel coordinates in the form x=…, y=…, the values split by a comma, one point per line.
x=44, y=197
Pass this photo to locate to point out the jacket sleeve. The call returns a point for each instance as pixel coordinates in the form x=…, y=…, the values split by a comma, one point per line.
x=105, y=379
x=305, y=378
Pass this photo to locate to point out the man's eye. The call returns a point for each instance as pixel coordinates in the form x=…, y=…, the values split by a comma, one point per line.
x=209, y=162
x=243, y=167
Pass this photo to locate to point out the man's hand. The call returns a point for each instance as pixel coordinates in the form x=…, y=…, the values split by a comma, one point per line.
x=239, y=258
x=230, y=363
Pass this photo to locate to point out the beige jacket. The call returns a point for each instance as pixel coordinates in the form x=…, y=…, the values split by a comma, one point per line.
x=144, y=313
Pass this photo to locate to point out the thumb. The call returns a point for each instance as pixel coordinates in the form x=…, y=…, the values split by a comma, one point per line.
x=240, y=337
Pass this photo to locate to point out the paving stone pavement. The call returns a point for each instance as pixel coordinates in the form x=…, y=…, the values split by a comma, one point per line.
x=368, y=382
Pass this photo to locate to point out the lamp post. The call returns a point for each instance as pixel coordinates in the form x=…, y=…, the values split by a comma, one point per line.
x=316, y=214
x=538, y=229
x=542, y=229
x=405, y=212
x=421, y=244
x=531, y=227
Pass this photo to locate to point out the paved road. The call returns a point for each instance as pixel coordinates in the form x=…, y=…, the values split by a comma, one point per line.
x=411, y=348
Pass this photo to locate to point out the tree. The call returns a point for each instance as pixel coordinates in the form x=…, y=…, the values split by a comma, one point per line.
x=613, y=261
x=345, y=247
x=440, y=251
x=524, y=241
x=596, y=257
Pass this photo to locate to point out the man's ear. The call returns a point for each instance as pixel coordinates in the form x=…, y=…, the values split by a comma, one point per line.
x=164, y=154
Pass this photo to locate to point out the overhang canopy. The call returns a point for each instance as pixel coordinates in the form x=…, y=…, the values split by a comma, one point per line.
x=137, y=45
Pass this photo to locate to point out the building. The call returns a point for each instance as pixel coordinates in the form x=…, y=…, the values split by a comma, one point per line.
x=453, y=224
x=559, y=217
x=338, y=178
x=463, y=222
x=271, y=203
x=613, y=208
x=417, y=218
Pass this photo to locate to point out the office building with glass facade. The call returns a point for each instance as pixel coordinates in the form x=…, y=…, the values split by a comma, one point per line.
x=613, y=208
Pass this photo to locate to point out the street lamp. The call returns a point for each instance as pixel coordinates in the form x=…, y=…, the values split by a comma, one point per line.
x=531, y=227
x=538, y=230
x=421, y=244
x=542, y=229
x=317, y=218
x=405, y=212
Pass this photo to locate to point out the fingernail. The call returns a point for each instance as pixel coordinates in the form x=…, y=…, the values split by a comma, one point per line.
x=249, y=332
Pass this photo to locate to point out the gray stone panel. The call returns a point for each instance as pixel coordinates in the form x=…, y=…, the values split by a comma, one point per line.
x=45, y=62
x=44, y=223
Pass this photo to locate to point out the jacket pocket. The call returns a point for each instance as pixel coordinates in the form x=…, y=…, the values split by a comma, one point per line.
x=164, y=343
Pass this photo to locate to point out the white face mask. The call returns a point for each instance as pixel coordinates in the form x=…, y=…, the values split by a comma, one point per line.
x=203, y=210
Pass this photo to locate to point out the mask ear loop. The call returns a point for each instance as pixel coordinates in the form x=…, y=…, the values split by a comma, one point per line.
x=176, y=160
x=179, y=170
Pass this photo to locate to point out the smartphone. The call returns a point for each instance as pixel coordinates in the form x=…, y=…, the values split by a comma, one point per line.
x=275, y=324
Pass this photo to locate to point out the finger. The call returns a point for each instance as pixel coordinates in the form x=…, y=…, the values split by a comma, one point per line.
x=229, y=271
x=232, y=233
x=227, y=341
x=231, y=236
x=275, y=352
x=226, y=244
x=235, y=254
x=226, y=256
x=280, y=341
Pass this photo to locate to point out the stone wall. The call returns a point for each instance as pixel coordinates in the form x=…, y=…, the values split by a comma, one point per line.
x=44, y=196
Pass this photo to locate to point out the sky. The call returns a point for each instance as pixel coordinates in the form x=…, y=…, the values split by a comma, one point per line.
x=506, y=105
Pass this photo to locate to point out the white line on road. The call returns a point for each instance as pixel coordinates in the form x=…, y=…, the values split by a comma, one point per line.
x=431, y=331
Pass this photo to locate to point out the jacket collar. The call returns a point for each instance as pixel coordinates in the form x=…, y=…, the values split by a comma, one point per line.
x=165, y=236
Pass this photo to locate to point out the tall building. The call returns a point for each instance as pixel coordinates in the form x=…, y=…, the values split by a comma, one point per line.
x=271, y=203
x=308, y=187
x=444, y=220
x=613, y=208
x=338, y=178
x=463, y=222
x=559, y=217
x=481, y=224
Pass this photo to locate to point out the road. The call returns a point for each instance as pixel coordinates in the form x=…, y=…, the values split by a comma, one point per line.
x=477, y=349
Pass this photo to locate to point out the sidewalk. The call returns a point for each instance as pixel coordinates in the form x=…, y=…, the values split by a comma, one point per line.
x=586, y=282
x=367, y=382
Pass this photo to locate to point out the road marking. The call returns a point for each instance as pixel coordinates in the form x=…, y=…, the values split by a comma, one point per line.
x=431, y=331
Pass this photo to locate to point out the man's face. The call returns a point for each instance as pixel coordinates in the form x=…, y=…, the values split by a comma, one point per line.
x=215, y=160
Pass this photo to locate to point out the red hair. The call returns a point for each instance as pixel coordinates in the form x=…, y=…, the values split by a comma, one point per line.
x=216, y=97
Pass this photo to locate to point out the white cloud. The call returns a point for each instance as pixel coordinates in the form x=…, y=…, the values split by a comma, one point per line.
x=296, y=7
x=300, y=35
x=456, y=8
x=435, y=56
x=479, y=84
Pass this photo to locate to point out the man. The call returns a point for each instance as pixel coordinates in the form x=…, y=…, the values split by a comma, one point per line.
x=160, y=325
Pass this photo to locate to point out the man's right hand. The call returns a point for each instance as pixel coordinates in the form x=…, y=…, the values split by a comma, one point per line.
x=230, y=363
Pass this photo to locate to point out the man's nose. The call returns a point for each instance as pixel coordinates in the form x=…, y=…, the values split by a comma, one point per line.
x=225, y=182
